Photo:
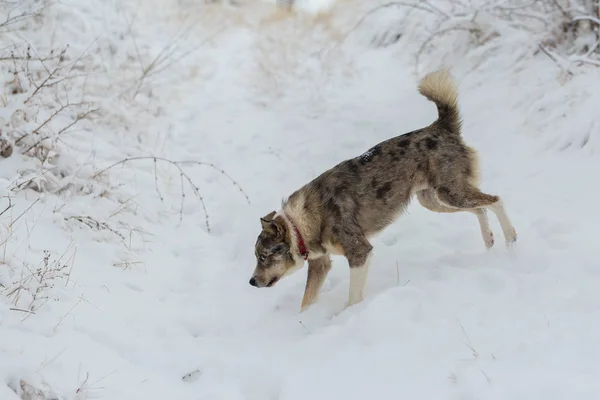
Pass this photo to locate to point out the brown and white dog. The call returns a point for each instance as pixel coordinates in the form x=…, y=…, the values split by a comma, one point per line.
x=337, y=212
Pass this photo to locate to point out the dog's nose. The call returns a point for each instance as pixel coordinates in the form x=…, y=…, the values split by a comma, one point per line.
x=253, y=282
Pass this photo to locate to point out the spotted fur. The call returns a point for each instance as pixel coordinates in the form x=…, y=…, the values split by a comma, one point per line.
x=341, y=209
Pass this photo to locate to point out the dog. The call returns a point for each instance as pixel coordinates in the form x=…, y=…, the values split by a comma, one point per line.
x=340, y=210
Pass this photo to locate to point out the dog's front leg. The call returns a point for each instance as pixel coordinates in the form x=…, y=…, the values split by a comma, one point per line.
x=317, y=272
x=358, y=252
x=358, y=280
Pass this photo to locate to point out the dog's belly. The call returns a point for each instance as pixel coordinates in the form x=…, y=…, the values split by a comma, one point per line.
x=379, y=214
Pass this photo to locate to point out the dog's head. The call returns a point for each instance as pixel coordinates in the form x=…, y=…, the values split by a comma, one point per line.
x=274, y=258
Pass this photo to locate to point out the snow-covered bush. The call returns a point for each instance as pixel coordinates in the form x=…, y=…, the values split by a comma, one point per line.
x=567, y=31
x=43, y=97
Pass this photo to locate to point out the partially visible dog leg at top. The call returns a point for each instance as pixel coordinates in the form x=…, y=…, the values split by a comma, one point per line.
x=317, y=272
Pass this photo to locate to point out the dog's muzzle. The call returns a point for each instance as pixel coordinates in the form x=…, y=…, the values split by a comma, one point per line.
x=255, y=282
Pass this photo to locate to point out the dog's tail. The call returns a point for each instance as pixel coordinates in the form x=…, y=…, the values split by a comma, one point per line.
x=439, y=87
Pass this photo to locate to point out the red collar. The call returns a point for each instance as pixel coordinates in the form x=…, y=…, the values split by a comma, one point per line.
x=301, y=245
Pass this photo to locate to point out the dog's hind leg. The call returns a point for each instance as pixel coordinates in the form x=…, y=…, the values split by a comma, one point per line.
x=468, y=197
x=484, y=225
x=317, y=272
x=508, y=229
x=428, y=200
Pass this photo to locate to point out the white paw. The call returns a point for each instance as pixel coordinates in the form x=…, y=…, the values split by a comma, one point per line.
x=352, y=302
x=511, y=236
x=488, y=238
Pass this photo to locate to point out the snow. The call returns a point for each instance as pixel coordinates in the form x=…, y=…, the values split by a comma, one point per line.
x=128, y=309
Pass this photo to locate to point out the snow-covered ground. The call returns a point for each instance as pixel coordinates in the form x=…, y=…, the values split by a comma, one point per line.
x=112, y=287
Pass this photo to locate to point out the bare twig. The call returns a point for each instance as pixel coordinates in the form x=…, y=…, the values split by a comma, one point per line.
x=304, y=326
x=65, y=316
x=182, y=198
x=60, y=132
x=555, y=59
x=431, y=38
x=21, y=310
x=584, y=60
x=388, y=5
x=49, y=77
x=54, y=114
x=20, y=17
x=156, y=182
x=23, y=213
x=437, y=9
x=94, y=224
x=587, y=18
x=167, y=52
x=561, y=9
x=469, y=344
x=86, y=387
x=487, y=378
x=71, y=268
x=183, y=175
x=10, y=205
x=184, y=55
x=79, y=389
x=220, y=171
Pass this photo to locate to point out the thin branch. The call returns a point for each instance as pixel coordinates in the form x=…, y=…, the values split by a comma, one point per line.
x=186, y=54
x=79, y=118
x=381, y=7
x=438, y=10
x=156, y=182
x=182, y=198
x=584, y=60
x=54, y=114
x=166, y=52
x=561, y=9
x=65, y=316
x=555, y=59
x=211, y=165
x=176, y=163
x=430, y=39
x=10, y=205
x=21, y=310
x=21, y=58
x=92, y=223
x=23, y=213
x=50, y=76
x=587, y=18
x=183, y=176
x=24, y=15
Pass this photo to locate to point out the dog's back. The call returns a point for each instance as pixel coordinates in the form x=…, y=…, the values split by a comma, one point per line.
x=338, y=211
x=375, y=187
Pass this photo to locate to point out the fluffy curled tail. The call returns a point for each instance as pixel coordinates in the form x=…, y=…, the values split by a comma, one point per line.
x=439, y=87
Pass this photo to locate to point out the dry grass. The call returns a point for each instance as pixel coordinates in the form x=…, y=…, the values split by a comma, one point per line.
x=289, y=45
x=291, y=53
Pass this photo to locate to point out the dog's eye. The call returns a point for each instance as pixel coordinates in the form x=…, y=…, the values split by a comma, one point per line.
x=262, y=258
x=278, y=249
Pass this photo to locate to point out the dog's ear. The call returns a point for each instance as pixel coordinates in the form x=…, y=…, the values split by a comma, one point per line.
x=267, y=221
